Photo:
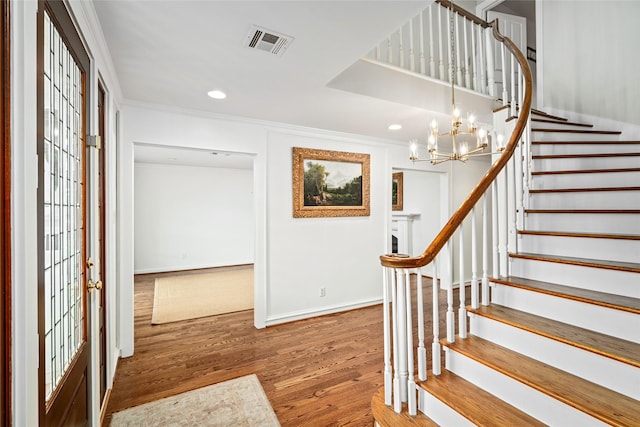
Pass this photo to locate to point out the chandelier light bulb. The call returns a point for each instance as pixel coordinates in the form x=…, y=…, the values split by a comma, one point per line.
x=464, y=149
x=500, y=140
x=432, y=143
x=456, y=114
x=434, y=125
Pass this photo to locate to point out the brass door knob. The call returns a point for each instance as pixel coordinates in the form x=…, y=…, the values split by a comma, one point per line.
x=91, y=286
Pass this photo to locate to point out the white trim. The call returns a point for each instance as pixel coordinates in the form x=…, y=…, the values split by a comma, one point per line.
x=178, y=269
x=303, y=314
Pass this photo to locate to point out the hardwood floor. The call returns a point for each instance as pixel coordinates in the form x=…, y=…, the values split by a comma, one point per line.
x=315, y=372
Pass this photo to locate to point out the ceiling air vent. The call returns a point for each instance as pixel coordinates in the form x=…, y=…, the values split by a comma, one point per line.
x=267, y=40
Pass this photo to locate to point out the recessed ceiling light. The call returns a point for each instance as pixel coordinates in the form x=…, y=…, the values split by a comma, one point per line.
x=395, y=126
x=217, y=94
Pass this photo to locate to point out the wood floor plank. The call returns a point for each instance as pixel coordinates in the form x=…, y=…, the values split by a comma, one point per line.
x=604, y=345
x=599, y=402
x=386, y=417
x=315, y=372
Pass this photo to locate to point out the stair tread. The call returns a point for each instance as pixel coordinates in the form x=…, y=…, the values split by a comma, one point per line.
x=551, y=116
x=584, y=155
x=475, y=404
x=576, y=171
x=387, y=417
x=602, y=344
x=562, y=122
x=595, y=132
x=599, y=402
x=613, y=301
x=585, y=262
x=583, y=211
x=584, y=142
x=579, y=190
x=614, y=236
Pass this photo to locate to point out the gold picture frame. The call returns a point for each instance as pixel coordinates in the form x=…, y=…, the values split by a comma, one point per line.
x=330, y=183
x=396, y=191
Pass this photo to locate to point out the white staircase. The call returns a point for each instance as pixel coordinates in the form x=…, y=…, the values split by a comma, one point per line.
x=560, y=341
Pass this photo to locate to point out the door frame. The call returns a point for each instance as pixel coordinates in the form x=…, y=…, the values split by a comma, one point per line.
x=5, y=219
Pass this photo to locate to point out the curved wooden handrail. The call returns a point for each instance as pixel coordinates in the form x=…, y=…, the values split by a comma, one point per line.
x=459, y=215
x=463, y=12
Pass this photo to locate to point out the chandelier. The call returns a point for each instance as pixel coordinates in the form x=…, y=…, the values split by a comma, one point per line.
x=460, y=150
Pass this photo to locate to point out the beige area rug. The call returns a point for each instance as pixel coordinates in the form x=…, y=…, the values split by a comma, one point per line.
x=239, y=402
x=198, y=295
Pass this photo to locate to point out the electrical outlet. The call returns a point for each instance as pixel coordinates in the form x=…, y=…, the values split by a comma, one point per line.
x=323, y=292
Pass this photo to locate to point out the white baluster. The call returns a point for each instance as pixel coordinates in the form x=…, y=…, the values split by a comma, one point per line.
x=518, y=164
x=503, y=232
x=451, y=321
x=401, y=41
x=459, y=62
x=432, y=64
x=462, y=311
x=494, y=229
x=505, y=94
x=485, y=252
x=474, y=262
x=520, y=91
x=511, y=204
x=388, y=379
x=435, y=346
x=449, y=45
x=512, y=72
x=474, y=62
x=491, y=64
x=467, y=65
x=440, y=55
x=397, y=402
x=412, y=58
x=423, y=65
x=422, y=351
x=482, y=83
x=411, y=380
x=401, y=313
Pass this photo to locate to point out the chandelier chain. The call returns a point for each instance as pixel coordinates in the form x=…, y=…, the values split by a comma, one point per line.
x=453, y=57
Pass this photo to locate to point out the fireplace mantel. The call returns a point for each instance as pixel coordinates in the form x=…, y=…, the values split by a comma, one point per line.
x=401, y=229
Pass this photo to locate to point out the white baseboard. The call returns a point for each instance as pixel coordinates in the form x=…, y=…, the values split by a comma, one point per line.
x=306, y=314
x=165, y=269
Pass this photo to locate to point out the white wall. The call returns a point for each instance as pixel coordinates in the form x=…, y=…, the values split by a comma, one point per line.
x=189, y=217
x=589, y=61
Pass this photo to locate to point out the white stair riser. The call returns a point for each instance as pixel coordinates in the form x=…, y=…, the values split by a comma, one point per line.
x=593, y=278
x=617, y=323
x=604, y=249
x=538, y=405
x=439, y=412
x=566, y=136
x=584, y=222
x=618, y=376
x=586, y=200
x=586, y=163
x=585, y=180
x=554, y=149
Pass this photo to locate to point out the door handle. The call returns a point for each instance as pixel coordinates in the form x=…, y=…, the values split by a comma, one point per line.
x=91, y=286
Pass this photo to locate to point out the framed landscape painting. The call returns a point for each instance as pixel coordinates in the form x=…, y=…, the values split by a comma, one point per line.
x=330, y=183
x=396, y=191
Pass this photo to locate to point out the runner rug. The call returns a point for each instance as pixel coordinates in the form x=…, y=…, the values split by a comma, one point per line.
x=237, y=402
x=191, y=296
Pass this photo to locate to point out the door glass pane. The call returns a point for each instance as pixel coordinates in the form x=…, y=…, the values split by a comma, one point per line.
x=63, y=226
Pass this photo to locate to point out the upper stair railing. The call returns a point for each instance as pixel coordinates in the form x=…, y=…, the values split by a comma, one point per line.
x=423, y=46
x=506, y=180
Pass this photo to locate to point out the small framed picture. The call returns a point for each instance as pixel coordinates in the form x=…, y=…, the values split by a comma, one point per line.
x=396, y=191
x=531, y=54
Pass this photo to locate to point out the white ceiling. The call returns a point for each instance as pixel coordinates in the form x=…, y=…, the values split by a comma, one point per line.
x=172, y=52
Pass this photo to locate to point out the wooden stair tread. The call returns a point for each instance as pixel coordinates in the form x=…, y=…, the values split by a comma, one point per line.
x=585, y=262
x=475, y=404
x=551, y=116
x=576, y=171
x=585, y=339
x=580, y=190
x=599, y=402
x=562, y=122
x=592, y=132
x=613, y=236
x=613, y=301
x=583, y=156
x=387, y=417
x=583, y=211
x=585, y=142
